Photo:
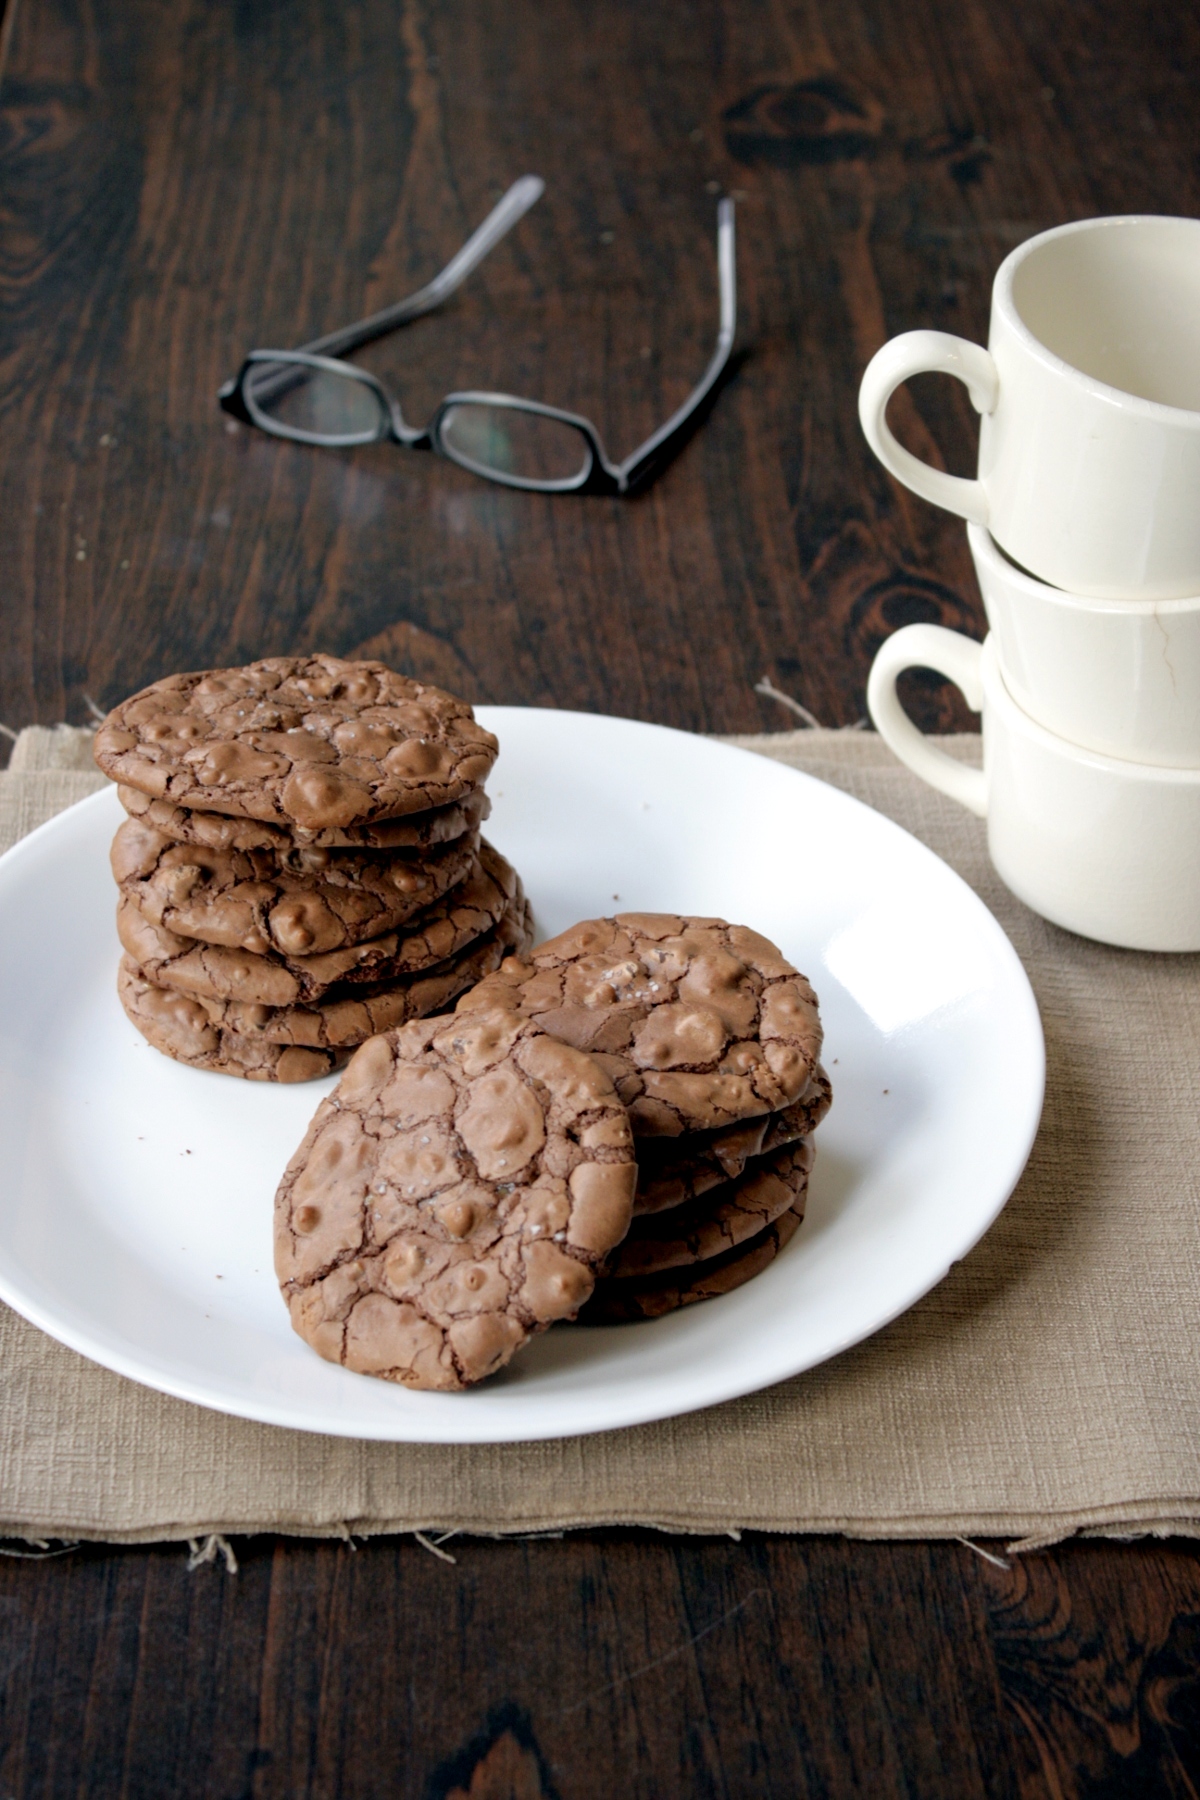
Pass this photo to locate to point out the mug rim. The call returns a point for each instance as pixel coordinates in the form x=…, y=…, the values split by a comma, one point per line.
x=998, y=697
x=985, y=549
x=1003, y=302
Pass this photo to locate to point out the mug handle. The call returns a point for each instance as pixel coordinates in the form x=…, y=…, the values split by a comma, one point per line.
x=959, y=659
x=920, y=353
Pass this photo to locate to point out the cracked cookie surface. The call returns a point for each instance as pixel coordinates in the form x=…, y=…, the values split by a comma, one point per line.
x=179, y=1027
x=700, y=1023
x=221, y=831
x=452, y=1197
x=312, y=901
x=312, y=741
x=217, y=972
x=672, y=1172
x=624, y=1302
x=343, y=1021
x=726, y=1217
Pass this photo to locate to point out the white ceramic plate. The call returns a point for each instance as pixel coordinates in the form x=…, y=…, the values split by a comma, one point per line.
x=135, y=1197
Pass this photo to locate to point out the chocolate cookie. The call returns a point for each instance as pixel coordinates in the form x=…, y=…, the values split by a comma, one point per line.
x=672, y=1172
x=215, y=972
x=180, y=1028
x=216, y=831
x=622, y=1302
x=725, y=1218
x=452, y=1196
x=344, y=1021
x=297, y=740
x=699, y=1023
x=311, y=902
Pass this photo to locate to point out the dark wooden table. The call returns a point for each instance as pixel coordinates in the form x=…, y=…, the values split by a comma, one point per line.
x=183, y=179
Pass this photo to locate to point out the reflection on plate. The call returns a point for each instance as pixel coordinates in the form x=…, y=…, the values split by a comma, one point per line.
x=135, y=1212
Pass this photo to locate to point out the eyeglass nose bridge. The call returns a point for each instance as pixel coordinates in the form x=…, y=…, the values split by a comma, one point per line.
x=596, y=473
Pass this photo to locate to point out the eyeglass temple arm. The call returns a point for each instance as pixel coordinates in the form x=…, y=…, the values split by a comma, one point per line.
x=504, y=215
x=628, y=471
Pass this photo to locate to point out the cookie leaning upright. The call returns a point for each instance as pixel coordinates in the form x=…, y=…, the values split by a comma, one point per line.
x=308, y=741
x=453, y=1196
x=700, y=1023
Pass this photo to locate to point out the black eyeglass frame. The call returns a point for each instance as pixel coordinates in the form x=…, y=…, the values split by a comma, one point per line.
x=598, y=473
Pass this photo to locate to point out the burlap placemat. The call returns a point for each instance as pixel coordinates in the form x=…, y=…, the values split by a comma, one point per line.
x=1050, y=1384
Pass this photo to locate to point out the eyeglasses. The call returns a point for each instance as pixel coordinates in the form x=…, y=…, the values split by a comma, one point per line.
x=312, y=397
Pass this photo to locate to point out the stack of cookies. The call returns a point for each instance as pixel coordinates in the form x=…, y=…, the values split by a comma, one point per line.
x=712, y=1039
x=301, y=867
x=610, y=1127
x=712, y=1210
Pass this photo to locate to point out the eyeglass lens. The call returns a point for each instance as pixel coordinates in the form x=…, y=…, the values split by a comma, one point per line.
x=505, y=440
x=317, y=402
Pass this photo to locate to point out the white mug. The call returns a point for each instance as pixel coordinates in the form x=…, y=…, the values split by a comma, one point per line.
x=1107, y=848
x=1118, y=676
x=1089, y=390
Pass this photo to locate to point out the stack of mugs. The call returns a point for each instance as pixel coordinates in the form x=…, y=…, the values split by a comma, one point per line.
x=1084, y=526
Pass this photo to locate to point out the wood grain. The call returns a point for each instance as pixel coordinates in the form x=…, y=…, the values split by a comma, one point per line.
x=607, y=1663
x=184, y=180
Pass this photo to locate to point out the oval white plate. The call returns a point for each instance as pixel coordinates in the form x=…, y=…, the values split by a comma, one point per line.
x=135, y=1201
